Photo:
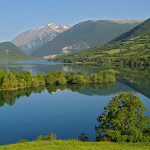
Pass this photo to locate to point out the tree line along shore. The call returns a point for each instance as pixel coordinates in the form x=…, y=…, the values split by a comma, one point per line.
x=13, y=80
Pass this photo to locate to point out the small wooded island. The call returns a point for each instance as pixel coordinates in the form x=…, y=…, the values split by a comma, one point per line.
x=13, y=80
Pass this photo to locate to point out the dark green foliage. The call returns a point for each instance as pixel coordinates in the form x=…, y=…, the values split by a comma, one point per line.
x=49, y=137
x=25, y=79
x=59, y=77
x=80, y=73
x=79, y=79
x=13, y=80
x=94, y=77
x=1, y=75
x=62, y=80
x=83, y=138
x=2, y=103
x=9, y=52
x=124, y=120
x=88, y=34
x=73, y=73
x=38, y=80
x=51, y=78
x=9, y=81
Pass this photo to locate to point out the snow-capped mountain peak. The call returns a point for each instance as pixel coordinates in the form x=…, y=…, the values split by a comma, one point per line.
x=31, y=39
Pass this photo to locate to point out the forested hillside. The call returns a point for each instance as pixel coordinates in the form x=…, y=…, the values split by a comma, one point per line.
x=10, y=52
x=84, y=35
x=131, y=48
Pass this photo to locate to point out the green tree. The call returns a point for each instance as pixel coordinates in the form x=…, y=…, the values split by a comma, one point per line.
x=94, y=77
x=41, y=79
x=27, y=79
x=35, y=82
x=124, y=120
x=100, y=73
x=62, y=81
x=73, y=73
x=1, y=75
x=78, y=79
x=51, y=78
x=80, y=73
x=9, y=81
x=100, y=79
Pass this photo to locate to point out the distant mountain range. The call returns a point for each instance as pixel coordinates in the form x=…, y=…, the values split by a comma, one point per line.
x=52, y=40
x=10, y=52
x=32, y=39
x=131, y=48
x=83, y=36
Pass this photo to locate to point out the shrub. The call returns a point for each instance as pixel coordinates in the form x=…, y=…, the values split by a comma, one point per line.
x=48, y=137
x=82, y=137
x=22, y=141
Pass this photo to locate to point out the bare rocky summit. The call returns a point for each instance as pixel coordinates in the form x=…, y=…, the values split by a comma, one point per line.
x=32, y=39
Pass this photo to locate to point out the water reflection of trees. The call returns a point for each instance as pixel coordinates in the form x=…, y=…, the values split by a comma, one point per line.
x=10, y=97
x=80, y=87
x=137, y=78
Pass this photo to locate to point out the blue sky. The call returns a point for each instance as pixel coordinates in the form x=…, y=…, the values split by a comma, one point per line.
x=17, y=16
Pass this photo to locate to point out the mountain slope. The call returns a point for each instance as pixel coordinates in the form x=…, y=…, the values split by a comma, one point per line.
x=131, y=48
x=83, y=36
x=10, y=52
x=32, y=39
x=141, y=30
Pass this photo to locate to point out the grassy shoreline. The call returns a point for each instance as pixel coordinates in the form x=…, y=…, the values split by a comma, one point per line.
x=76, y=145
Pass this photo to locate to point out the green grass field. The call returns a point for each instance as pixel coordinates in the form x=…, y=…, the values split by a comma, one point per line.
x=75, y=145
x=114, y=51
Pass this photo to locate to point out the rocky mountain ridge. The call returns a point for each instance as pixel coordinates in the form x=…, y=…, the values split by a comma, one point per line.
x=32, y=39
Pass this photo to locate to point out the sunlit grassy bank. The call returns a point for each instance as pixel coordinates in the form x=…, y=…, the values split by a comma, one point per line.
x=65, y=145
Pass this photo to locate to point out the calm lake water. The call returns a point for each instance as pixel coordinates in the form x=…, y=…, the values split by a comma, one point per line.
x=66, y=111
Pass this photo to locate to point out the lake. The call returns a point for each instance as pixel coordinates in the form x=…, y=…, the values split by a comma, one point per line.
x=68, y=110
